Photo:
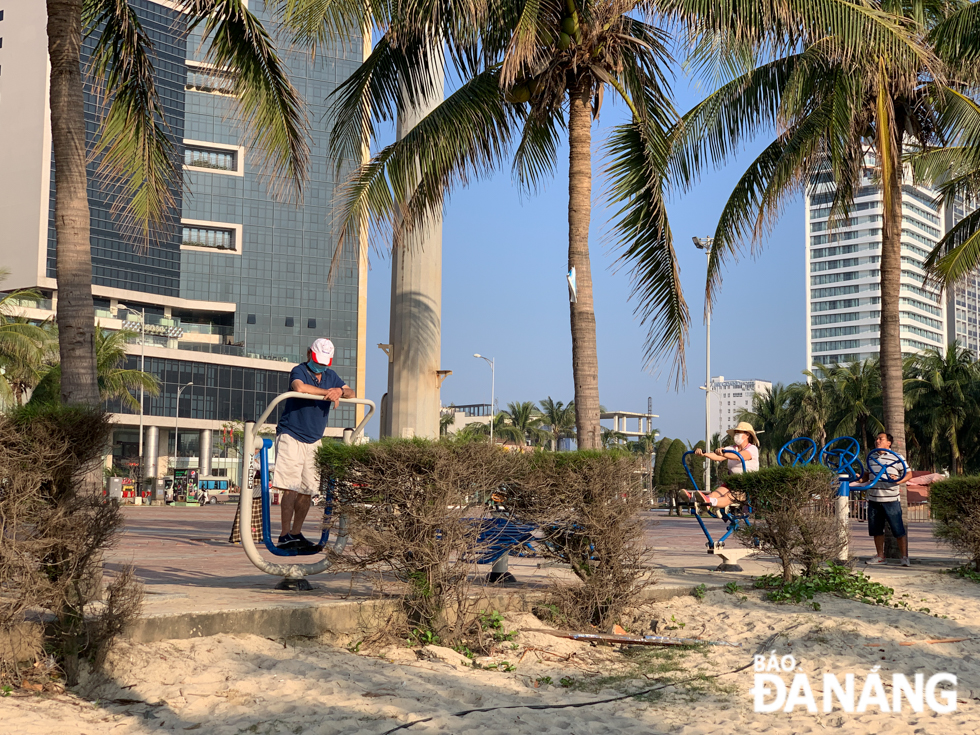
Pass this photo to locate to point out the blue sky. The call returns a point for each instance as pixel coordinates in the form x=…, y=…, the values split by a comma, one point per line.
x=505, y=296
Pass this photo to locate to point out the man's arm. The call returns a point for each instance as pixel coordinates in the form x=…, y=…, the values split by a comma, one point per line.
x=328, y=394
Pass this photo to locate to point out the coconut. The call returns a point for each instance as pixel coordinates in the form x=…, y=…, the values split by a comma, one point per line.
x=569, y=26
x=519, y=94
x=564, y=40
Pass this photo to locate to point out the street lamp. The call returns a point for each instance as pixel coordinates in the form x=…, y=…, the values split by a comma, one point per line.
x=142, y=313
x=705, y=245
x=493, y=377
x=177, y=418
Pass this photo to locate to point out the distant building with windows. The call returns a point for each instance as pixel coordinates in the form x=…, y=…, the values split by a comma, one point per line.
x=963, y=299
x=843, y=275
x=238, y=289
x=729, y=398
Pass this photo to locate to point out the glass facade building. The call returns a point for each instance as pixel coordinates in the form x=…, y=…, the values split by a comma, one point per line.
x=236, y=289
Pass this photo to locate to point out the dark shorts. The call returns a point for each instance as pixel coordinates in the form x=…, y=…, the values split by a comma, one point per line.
x=880, y=513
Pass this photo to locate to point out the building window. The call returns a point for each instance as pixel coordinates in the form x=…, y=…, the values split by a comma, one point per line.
x=207, y=237
x=210, y=80
x=219, y=160
x=290, y=321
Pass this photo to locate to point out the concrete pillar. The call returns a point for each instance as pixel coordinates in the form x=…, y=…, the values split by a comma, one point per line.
x=151, y=451
x=204, y=464
x=416, y=309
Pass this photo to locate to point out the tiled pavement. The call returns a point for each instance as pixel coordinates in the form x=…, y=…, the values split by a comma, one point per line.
x=188, y=567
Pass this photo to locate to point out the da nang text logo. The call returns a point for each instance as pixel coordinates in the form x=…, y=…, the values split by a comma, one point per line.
x=774, y=691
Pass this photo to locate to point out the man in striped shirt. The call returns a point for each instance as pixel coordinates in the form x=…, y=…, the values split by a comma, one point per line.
x=884, y=503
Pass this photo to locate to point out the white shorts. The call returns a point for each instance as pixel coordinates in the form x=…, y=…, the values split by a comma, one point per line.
x=296, y=468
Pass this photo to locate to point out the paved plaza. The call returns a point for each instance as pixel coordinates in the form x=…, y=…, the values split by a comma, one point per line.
x=197, y=583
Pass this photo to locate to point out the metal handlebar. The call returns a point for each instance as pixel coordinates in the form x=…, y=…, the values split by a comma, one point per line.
x=289, y=571
x=897, y=461
x=723, y=451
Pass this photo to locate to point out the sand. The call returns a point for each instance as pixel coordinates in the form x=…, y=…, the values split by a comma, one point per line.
x=228, y=684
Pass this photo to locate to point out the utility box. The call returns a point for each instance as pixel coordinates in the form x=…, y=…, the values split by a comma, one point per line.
x=115, y=491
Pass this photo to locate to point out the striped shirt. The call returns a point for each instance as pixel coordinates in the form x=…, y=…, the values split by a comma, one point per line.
x=886, y=490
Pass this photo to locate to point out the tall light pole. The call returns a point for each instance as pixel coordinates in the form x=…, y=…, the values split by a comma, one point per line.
x=493, y=378
x=705, y=245
x=142, y=313
x=177, y=419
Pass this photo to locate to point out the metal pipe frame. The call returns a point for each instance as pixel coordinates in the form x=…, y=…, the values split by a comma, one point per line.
x=289, y=571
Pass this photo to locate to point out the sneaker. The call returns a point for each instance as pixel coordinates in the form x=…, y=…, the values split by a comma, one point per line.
x=288, y=542
x=875, y=560
x=905, y=562
x=704, y=498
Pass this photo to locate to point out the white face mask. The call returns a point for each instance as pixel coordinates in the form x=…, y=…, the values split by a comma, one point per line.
x=739, y=437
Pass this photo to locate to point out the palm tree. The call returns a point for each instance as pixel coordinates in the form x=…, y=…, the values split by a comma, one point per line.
x=770, y=417
x=23, y=346
x=841, y=115
x=943, y=398
x=522, y=424
x=134, y=145
x=446, y=419
x=811, y=406
x=559, y=418
x=856, y=395
x=527, y=81
x=114, y=381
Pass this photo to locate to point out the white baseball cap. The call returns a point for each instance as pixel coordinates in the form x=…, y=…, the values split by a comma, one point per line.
x=322, y=350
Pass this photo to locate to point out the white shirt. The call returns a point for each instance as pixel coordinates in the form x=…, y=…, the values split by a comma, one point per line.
x=751, y=456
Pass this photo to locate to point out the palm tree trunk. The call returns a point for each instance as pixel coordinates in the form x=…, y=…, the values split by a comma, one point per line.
x=585, y=358
x=890, y=350
x=76, y=327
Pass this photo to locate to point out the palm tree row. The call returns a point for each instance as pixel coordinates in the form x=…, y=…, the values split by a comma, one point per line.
x=29, y=365
x=527, y=424
x=942, y=409
x=848, y=84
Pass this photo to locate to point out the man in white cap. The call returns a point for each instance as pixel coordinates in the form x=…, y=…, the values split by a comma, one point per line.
x=298, y=436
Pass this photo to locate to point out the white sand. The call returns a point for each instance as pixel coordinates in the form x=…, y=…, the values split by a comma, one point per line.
x=227, y=684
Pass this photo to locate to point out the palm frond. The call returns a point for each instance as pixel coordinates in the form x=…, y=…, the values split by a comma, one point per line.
x=325, y=24
x=137, y=155
x=958, y=253
x=636, y=160
x=462, y=139
x=271, y=111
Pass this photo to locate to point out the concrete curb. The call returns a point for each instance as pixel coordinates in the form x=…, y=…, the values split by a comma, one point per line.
x=331, y=618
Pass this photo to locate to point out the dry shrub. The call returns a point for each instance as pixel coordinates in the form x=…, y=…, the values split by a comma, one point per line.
x=52, y=536
x=790, y=518
x=412, y=508
x=587, y=504
x=956, y=508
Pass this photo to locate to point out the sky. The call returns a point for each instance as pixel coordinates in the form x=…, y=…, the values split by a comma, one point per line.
x=505, y=296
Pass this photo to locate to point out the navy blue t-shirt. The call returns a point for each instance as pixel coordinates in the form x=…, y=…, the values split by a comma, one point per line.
x=304, y=419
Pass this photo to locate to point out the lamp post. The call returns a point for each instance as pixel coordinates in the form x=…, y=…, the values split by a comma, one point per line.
x=705, y=245
x=493, y=378
x=177, y=419
x=142, y=313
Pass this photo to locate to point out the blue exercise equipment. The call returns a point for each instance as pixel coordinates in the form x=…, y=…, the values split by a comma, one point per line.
x=733, y=520
x=267, y=539
x=801, y=450
x=840, y=455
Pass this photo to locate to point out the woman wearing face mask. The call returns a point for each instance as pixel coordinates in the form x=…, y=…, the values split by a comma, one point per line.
x=746, y=443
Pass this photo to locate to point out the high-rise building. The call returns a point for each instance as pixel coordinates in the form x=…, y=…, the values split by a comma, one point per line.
x=963, y=299
x=843, y=297
x=235, y=293
x=729, y=398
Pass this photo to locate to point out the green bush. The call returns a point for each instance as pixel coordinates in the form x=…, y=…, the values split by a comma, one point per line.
x=793, y=515
x=588, y=506
x=662, y=448
x=956, y=509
